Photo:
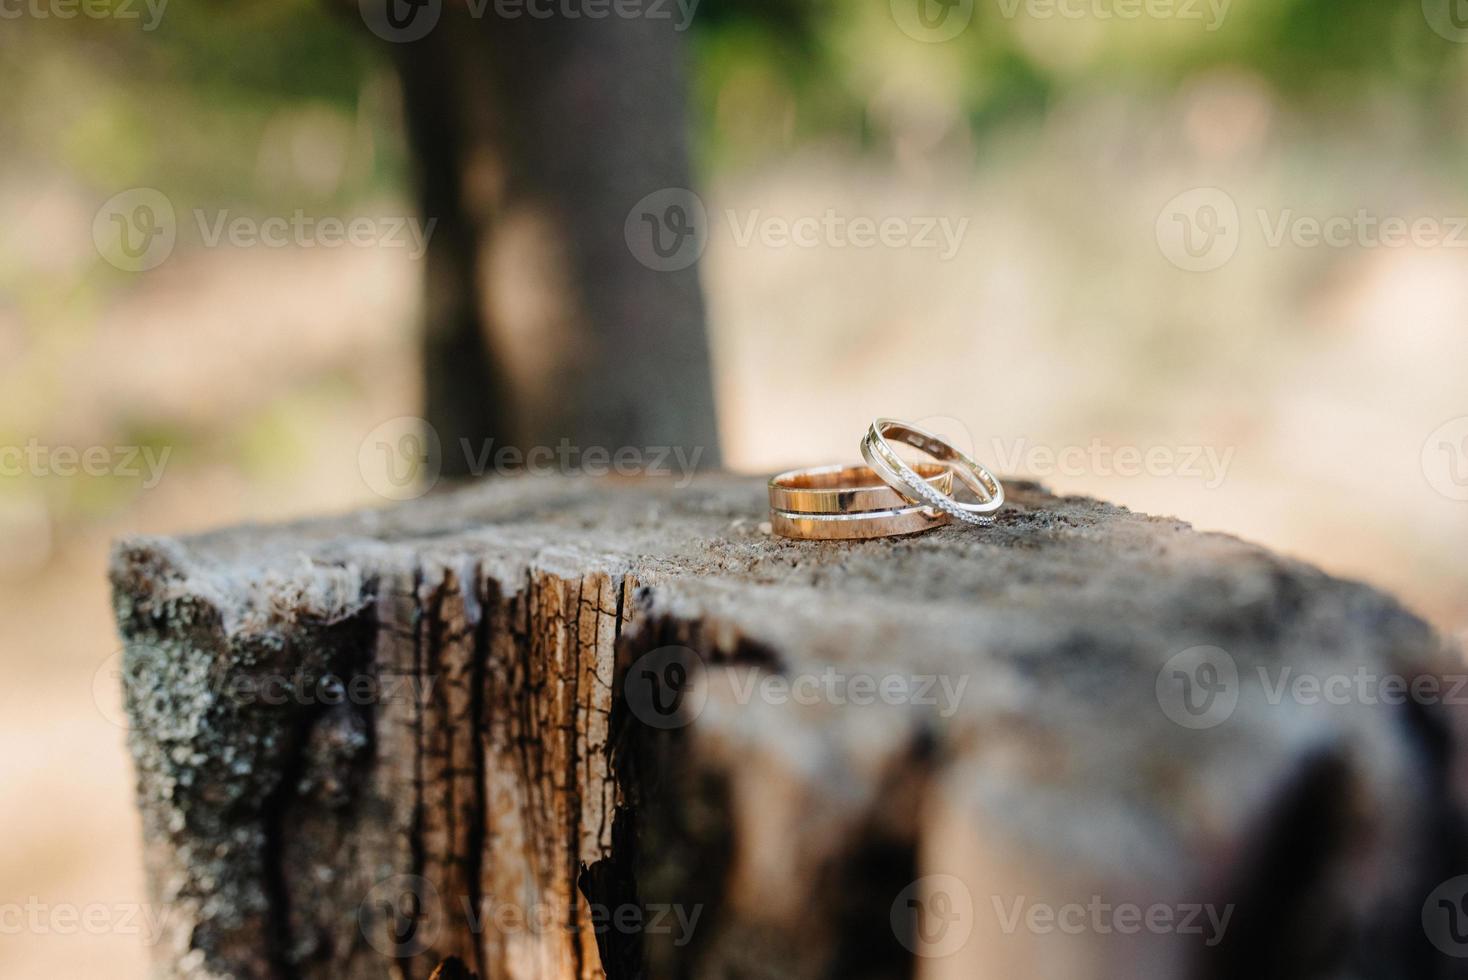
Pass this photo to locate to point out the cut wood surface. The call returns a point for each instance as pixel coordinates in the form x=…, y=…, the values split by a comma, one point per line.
x=565, y=728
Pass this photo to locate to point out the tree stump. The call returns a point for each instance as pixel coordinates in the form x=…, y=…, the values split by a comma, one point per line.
x=570, y=728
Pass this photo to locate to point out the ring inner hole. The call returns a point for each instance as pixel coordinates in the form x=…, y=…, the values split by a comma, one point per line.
x=980, y=492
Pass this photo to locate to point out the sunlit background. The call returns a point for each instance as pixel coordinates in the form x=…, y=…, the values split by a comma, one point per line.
x=1130, y=188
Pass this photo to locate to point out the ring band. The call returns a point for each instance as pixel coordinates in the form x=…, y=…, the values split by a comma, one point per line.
x=846, y=489
x=901, y=476
x=855, y=527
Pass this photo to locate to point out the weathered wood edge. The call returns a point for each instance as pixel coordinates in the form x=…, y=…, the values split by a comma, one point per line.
x=244, y=599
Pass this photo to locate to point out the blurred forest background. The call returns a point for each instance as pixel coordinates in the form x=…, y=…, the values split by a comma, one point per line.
x=1324, y=372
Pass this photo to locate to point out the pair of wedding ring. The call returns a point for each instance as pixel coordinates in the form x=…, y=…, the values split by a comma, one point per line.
x=888, y=496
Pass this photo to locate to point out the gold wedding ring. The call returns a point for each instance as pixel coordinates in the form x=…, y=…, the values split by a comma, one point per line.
x=855, y=527
x=887, y=497
x=846, y=489
x=851, y=503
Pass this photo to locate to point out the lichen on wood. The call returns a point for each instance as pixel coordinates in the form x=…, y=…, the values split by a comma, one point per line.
x=368, y=743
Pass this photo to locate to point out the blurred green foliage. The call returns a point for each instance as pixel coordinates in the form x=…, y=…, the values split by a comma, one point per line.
x=826, y=60
x=190, y=102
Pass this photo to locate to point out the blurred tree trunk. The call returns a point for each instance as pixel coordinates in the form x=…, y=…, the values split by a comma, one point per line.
x=534, y=138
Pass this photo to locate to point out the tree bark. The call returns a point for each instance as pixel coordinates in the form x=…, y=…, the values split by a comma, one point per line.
x=534, y=138
x=368, y=743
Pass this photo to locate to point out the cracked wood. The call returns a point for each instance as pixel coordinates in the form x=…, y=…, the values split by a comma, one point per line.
x=491, y=791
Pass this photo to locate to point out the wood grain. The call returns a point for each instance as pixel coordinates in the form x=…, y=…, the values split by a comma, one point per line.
x=979, y=722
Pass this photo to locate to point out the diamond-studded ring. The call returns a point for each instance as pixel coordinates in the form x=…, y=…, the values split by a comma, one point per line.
x=901, y=476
